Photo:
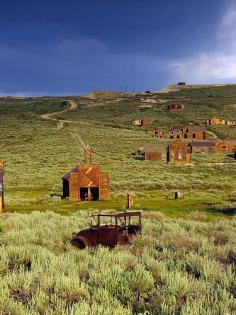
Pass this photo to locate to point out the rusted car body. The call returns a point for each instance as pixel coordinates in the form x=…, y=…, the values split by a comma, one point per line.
x=109, y=229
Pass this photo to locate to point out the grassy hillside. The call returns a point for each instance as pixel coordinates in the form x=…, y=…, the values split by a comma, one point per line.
x=184, y=261
x=177, y=266
x=38, y=152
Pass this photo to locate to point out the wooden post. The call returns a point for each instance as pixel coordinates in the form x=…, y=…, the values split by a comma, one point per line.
x=89, y=194
x=1, y=186
x=130, y=201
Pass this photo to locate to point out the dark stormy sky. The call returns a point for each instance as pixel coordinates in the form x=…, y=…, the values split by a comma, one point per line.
x=74, y=46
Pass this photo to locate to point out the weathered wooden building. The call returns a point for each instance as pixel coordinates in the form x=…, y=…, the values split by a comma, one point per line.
x=159, y=133
x=1, y=186
x=155, y=154
x=225, y=146
x=193, y=132
x=178, y=151
x=202, y=146
x=217, y=121
x=174, y=106
x=86, y=182
x=142, y=122
x=180, y=132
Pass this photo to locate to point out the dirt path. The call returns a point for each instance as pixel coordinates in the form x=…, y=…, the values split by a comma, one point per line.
x=78, y=139
x=213, y=135
x=50, y=116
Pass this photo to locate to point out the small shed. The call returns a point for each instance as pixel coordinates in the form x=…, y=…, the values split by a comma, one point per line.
x=225, y=146
x=147, y=122
x=174, y=106
x=178, y=151
x=155, y=154
x=86, y=182
x=203, y=146
x=1, y=186
x=142, y=122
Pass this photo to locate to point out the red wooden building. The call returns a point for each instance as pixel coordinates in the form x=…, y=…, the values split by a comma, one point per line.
x=202, y=146
x=178, y=152
x=86, y=182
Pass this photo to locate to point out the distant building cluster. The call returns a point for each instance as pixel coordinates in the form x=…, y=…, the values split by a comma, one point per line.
x=180, y=132
x=217, y=121
x=177, y=151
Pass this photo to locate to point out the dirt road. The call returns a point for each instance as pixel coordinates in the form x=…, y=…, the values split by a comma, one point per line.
x=51, y=116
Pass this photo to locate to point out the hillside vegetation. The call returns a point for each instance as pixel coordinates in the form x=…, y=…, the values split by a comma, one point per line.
x=175, y=267
x=184, y=262
x=38, y=152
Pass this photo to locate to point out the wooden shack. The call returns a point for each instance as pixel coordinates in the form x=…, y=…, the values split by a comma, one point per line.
x=155, y=154
x=86, y=182
x=174, y=106
x=225, y=146
x=158, y=133
x=147, y=122
x=142, y=122
x=217, y=121
x=1, y=186
x=202, y=146
x=178, y=151
x=193, y=132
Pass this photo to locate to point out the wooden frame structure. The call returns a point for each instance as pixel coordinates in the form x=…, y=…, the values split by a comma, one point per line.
x=86, y=182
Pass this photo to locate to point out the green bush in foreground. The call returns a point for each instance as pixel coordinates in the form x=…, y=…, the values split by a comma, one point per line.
x=175, y=267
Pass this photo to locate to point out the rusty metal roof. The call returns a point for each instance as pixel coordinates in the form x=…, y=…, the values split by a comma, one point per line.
x=74, y=170
x=196, y=129
x=202, y=144
x=233, y=142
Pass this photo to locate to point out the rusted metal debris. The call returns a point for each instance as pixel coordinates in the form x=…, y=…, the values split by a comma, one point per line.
x=109, y=229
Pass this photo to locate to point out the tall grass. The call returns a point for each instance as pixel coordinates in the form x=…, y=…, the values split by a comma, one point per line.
x=174, y=267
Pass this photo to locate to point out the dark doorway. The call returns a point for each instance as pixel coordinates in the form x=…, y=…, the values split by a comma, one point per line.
x=65, y=188
x=94, y=193
x=83, y=194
